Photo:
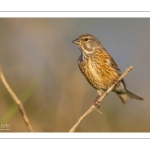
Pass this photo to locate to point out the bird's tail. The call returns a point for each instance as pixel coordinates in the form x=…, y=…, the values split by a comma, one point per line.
x=125, y=96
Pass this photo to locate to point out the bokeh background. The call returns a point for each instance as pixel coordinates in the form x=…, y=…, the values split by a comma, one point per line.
x=39, y=62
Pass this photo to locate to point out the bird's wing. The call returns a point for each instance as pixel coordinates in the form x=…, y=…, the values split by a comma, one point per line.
x=115, y=67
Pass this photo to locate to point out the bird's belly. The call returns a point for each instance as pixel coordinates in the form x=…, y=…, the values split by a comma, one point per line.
x=98, y=77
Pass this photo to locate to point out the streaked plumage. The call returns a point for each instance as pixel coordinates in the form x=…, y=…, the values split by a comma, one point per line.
x=99, y=68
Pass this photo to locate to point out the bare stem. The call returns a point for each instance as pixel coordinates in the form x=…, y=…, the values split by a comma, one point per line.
x=17, y=101
x=99, y=100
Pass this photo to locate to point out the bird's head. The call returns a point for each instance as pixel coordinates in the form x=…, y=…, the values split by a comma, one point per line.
x=87, y=44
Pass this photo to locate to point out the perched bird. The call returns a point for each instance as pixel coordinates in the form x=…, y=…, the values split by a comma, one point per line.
x=99, y=68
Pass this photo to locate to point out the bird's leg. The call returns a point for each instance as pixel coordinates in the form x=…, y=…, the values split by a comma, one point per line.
x=117, y=83
x=96, y=103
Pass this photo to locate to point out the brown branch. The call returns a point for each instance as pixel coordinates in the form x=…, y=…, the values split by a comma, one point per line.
x=17, y=101
x=99, y=100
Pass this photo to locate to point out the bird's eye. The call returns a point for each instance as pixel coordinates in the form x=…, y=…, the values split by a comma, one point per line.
x=86, y=39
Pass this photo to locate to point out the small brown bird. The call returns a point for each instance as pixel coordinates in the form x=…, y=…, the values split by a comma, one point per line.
x=99, y=68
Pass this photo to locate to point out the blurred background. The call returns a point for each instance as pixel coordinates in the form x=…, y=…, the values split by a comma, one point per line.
x=39, y=61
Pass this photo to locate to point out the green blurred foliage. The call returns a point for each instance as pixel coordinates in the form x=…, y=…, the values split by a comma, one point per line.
x=33, y=48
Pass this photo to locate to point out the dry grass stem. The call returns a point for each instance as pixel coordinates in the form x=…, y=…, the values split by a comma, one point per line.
x=17, y=101
x=99, y=100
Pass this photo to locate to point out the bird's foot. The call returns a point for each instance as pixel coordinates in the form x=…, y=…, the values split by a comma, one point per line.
x=117, y=83
x=96, y=103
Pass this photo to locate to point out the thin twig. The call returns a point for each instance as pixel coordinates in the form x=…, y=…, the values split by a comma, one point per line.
x=99, y=100
x=98, y=111
x=17, y=101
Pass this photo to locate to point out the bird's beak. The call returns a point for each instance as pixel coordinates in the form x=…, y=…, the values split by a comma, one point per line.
x=76, y=41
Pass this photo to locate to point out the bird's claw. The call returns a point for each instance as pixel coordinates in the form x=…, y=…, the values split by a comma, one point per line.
x=117, y=83
x=96, y=103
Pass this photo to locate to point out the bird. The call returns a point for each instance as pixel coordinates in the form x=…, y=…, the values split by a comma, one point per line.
x=100, y=69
